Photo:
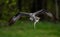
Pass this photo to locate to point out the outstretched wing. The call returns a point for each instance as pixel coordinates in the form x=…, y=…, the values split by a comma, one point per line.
x=35, y=13
x=13, y=19
x=48, y=13
x=17, y=17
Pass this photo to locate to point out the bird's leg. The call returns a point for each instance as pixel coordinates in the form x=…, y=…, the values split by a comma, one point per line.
x=35, y=24
x=36, y=20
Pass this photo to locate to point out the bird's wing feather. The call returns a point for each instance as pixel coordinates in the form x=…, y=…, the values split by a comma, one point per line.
x=17, y=17
x=38, y=11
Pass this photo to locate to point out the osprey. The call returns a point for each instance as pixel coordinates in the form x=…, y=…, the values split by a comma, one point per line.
x=32, y=16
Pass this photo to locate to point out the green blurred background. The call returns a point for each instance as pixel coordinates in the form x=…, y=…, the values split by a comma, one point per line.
x=23, y=27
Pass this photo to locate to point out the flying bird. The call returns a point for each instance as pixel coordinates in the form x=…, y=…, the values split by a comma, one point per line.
x=32, y=16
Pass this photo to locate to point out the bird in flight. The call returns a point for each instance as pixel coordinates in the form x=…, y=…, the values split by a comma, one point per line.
x=32, y=16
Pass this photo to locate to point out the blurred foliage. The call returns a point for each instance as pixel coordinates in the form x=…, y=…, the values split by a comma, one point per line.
x=51, y=6
x=8, y=8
